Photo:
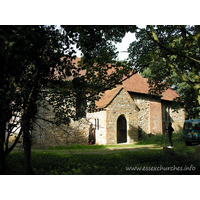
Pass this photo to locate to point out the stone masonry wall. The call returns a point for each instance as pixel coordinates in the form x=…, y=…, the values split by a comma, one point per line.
x=145, y=123
x=122, y=105
x=46, y=134
x=100, y=133
x=143, y=115
x=178, y=119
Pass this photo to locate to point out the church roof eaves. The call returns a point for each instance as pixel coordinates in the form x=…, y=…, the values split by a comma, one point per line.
x=108, y=97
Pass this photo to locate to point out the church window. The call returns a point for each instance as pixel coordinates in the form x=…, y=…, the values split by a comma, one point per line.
x=166, y=113
x=97, y=124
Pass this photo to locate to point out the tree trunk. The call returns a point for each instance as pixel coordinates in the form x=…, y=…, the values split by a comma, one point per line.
x=27, y=147
x=27, y=164
x=2, y=153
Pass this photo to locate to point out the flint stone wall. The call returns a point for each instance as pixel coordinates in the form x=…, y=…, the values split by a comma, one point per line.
x=149, y=118
x=142, y=102
x=46, y=134
x=122, y=104
x=146, y=116
x=176, y=117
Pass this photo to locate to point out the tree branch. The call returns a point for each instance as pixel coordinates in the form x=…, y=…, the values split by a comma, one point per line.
x=156, y=40
x=14, y=144
x=175, y=69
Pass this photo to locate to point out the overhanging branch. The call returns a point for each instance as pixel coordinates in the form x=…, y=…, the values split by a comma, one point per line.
x=175, y=69
x=156, y=40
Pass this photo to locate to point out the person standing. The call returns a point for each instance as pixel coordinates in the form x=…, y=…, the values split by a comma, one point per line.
x=169, y=132
x=91, y=134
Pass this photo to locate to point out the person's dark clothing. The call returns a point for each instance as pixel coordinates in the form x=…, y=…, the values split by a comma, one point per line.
x=170, y=139
x=91, y=134
x=169, y=132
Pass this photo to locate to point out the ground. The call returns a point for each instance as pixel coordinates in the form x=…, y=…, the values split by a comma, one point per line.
x=85, y=159
x=106, y=150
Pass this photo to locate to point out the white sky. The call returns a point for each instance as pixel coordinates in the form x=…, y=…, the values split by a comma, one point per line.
x=123, y=46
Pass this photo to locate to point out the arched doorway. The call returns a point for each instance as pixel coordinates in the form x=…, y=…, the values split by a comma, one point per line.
x=121, y=129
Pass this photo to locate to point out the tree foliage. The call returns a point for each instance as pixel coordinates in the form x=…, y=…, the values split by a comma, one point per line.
x=166, y=50
x=29, y=55
x=187, y=98
x=97, y=71
x=37, y=62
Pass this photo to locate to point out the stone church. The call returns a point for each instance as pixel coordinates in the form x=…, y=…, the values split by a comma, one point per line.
x=127, y=110
x=121, y=115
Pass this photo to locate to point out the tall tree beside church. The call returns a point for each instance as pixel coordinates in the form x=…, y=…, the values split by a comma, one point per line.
x=36, y=58
x=28, y=56
x=96, y=45
x=166, y=50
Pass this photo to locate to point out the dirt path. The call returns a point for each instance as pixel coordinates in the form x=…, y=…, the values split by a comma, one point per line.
x=106, y=150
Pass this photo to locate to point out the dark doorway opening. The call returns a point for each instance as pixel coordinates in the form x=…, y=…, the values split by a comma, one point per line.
x=121, y=129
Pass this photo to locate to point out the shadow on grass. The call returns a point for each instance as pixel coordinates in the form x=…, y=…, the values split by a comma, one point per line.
x=124, y=159
x=144, y=162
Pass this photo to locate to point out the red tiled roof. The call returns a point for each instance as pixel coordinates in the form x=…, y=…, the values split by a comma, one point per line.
x=135, y=83
x=138, y=84
x=169, y=95
x=107, y=97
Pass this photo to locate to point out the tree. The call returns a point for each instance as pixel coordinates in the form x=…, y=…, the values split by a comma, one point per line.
x=97, y=71
x=187, y=99
x=35, y=61
x=166, y=50
x=29, y=55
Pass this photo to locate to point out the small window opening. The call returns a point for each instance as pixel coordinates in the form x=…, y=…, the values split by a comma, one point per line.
x=97, y=124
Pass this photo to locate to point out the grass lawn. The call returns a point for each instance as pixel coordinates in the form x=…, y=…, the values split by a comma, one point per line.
x=145, y=157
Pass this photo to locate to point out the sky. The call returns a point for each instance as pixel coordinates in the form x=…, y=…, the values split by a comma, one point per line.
x=123, y=46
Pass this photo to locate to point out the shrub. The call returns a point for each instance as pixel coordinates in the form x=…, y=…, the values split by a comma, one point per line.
x=160, y=139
